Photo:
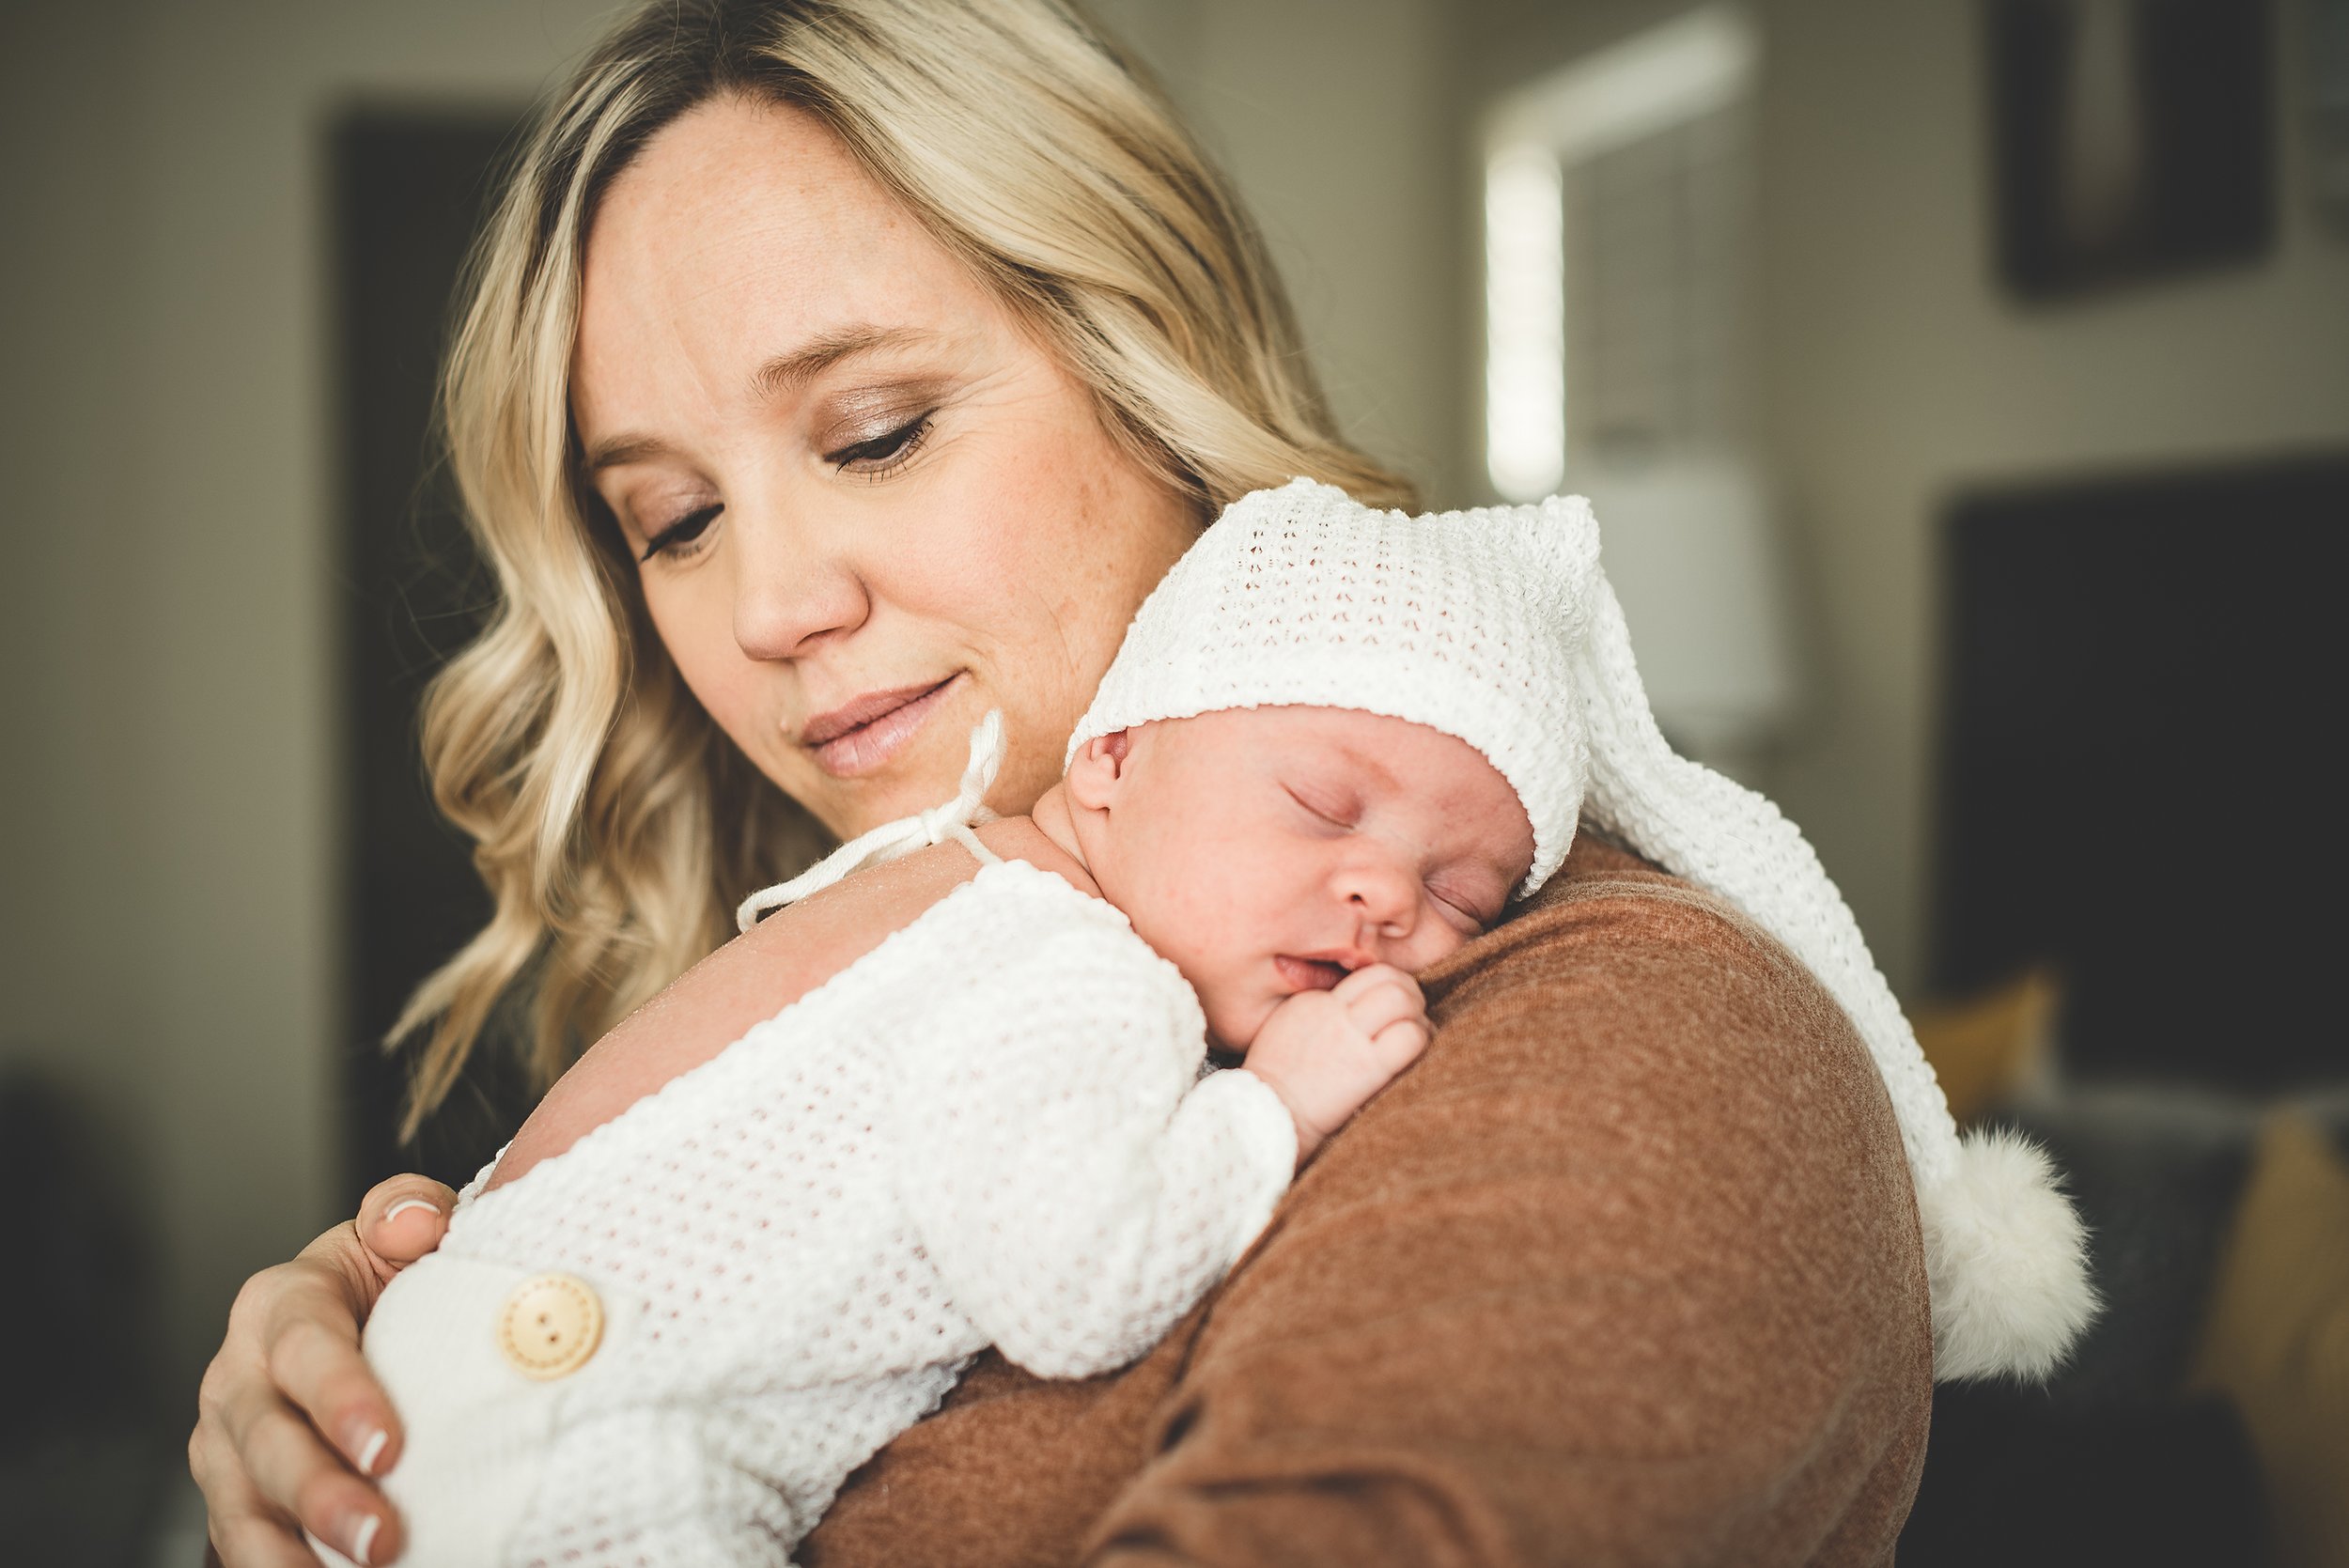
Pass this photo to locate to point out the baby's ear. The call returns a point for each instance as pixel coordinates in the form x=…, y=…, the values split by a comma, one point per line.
x=1095, y=771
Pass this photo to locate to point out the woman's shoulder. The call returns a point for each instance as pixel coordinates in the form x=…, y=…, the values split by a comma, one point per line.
x=1624, y=1004
x=1616, y=951
x=1639, y=1216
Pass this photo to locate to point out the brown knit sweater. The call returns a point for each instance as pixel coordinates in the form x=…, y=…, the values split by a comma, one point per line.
x=1626, y=1269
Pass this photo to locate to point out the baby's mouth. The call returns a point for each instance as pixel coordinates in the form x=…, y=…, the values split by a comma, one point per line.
x=1309, y=974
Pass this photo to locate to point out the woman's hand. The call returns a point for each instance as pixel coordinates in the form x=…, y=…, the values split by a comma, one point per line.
x=288, y=1418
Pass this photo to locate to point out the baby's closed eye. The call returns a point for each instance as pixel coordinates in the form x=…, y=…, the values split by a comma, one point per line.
x=1460, y=908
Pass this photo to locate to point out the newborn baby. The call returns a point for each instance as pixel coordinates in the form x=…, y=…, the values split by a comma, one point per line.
x=709, y=1280
x=706, y=1279
x=991, y=1128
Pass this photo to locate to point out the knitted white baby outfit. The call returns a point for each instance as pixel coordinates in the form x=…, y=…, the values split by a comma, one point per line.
x=990, y=1130
x=1499, y=626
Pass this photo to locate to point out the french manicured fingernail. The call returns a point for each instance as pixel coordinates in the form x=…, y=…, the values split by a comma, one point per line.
x=406, y=1204
x=362, y=1540
x=370, y=1450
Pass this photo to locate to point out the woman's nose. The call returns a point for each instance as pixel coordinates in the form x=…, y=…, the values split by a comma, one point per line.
x=794, y=585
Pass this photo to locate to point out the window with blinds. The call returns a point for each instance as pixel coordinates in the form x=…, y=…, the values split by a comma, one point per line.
x=1617, y=216
x=1653, y=256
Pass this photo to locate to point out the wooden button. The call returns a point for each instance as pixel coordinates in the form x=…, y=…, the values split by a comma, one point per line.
x=551, y=1324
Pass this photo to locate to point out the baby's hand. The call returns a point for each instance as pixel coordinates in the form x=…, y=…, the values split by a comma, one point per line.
x=1326, y=1052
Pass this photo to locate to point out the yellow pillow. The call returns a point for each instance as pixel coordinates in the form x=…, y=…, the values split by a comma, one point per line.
x=1984, y=1049
x=2278, y=1337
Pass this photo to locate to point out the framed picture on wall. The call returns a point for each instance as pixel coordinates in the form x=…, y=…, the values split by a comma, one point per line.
x=2130, y=139
x=2328, y=111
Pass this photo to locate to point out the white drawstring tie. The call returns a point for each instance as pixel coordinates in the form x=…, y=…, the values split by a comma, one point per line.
x=953, y=820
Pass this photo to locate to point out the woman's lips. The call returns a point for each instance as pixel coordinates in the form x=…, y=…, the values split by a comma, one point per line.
x=864, y=735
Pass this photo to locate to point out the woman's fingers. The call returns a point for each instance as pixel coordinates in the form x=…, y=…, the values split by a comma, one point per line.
x=403, y=1218
x=286, y=1460
x=314, y=1363
x=309, y=1347
x=263, y=1466
x=254, y=1540
x=290, y=1417
x=244, y=1531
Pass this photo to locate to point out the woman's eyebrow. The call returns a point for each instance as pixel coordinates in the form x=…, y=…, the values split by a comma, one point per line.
x=785, y=373
x=620, y=450
x=791, y=371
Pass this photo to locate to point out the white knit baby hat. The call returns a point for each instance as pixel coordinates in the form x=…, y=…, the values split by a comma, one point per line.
x=1499, y=626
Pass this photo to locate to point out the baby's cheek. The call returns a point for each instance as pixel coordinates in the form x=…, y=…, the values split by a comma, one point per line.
x=1233, y=1020
x=1440, y=942
x=1229, y=1027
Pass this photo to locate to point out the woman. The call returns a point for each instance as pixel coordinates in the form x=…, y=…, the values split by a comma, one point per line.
x=835, y=372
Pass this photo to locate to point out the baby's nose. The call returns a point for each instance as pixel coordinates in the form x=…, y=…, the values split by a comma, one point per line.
x=1385, y=898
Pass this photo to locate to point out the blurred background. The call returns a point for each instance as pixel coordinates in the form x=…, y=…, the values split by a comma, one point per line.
x=1964, y=385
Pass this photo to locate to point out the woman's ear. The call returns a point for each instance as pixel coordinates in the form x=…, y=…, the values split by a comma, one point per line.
x=1097, y=770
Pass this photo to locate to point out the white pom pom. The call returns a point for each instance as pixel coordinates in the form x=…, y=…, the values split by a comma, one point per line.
x=2007, y=1259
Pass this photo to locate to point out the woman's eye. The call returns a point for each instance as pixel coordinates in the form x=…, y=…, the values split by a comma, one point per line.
x=884, y=452
x=671, y=539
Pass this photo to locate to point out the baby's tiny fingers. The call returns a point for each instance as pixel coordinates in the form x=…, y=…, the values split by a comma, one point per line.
x=1382, y=1010
x=1374, y=1007
x=1371, y=977
x=1401, y=1042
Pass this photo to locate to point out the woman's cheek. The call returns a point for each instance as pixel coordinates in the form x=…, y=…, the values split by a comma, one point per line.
x=700, y=643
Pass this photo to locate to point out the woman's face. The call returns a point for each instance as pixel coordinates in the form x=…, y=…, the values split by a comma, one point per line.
x=866, y=504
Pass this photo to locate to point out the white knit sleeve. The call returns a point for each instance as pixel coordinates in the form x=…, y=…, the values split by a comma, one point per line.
x=1073, y=1180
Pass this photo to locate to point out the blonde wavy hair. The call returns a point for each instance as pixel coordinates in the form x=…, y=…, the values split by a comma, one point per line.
x=614, y=825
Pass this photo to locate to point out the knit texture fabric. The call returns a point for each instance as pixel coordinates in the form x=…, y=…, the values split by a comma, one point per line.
x=1471, y=623
x=1498, y=626
x=990, y=1130
x=1623, y=1270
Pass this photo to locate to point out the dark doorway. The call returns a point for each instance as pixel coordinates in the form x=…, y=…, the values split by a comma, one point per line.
x=409, y=189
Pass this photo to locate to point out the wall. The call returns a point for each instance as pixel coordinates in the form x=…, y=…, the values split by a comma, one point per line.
x=167, y=852
x=167, y=927
x=1337, y=121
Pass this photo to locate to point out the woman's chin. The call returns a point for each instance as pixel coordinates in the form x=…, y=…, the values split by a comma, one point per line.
x=893, y=803
x=920, y=777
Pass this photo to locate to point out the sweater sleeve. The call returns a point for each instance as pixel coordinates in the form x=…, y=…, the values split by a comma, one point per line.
x=1075, y=1182
x=1638, y=1282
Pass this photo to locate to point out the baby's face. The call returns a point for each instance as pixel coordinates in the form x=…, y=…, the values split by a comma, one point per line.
x=1268, y=852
